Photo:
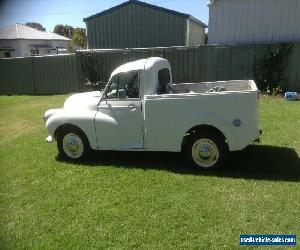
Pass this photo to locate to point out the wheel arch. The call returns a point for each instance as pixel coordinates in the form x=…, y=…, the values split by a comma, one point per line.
x=68, y=125
x=202, y=129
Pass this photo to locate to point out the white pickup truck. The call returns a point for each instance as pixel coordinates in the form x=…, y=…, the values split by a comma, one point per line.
x=141, y=110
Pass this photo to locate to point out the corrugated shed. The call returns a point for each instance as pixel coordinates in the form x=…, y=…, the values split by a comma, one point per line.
x=196, y=36
x=135, y=24
x=253, y=21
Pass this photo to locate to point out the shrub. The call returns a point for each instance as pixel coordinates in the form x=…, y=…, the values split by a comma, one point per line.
x=269, y=70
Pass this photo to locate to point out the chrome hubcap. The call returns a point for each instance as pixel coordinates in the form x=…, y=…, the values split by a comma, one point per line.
x=205, y=153
x=72, y=145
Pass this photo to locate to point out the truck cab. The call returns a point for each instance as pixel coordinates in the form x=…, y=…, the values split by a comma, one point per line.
x=119, y=122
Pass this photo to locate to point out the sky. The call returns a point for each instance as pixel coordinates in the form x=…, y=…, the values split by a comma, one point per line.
x=71, y=12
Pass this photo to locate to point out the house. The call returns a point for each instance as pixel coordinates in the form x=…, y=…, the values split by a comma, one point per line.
x=253, y=21
x=136, y=24
x=19, y=40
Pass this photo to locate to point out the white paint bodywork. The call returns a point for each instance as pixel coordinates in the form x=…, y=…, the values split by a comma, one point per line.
x=159, y=122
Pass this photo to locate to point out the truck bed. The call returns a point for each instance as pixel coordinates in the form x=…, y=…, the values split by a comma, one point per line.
x=218, y=86
x=175, y=113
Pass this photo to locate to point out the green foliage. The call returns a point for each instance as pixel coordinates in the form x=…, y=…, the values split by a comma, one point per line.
x=92, y=69
x=269, y=70
x=142, y=200
x=35, y=25
x=79, y=38
x=71, y=47
x=277, y=90
x=64, y=30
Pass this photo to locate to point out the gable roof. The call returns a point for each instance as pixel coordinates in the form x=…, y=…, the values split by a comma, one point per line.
x=20, y=31
x=149, y=6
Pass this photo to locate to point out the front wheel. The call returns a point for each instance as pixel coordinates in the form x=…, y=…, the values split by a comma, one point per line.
x=72, y=144
x=206, y=150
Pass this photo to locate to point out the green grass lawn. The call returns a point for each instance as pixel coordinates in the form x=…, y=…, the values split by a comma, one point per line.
x=144, y=200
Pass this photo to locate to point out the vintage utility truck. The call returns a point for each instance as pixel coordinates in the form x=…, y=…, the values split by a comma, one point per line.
x=141, y=110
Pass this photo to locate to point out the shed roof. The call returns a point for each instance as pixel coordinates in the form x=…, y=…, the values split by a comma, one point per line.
x=149, y=6
x=20, y=31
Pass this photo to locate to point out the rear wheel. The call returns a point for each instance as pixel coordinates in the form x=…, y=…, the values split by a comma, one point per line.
x=72, y=144
x=206, y=150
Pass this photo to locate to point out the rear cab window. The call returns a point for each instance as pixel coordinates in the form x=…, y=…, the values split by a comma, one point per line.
x=163, y=81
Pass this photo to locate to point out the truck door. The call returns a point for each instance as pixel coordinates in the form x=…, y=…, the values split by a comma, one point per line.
x=119, y=120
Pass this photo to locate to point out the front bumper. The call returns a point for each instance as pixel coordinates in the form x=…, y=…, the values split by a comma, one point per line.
x=47, y=115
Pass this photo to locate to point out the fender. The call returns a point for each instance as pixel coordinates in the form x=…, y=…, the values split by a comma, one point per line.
x=210, y=119
x=83, y=119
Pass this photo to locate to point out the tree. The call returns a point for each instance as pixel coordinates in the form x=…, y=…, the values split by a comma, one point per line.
x=79, y=38
x=92, y=69
x=64, y=30
x=269, y=70
x=35, y=25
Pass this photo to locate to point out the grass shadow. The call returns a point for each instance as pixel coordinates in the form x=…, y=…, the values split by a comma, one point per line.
x=260, y=162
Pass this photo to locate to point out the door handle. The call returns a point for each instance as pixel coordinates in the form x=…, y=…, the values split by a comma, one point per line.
x=132, y=106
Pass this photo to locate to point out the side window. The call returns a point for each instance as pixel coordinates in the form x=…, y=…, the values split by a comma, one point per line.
x=129, y=85
x=163, y=80
x=124, y=85
x=112, y=90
